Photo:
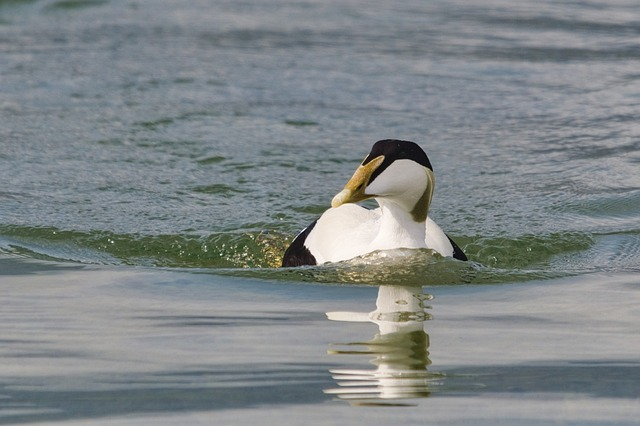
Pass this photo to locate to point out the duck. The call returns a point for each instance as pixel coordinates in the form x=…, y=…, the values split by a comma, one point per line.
x=398, y=175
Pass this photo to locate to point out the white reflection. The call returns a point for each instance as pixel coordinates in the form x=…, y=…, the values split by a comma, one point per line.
x=399, y=351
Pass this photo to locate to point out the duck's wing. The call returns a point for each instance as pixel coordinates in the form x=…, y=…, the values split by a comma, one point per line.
x=341, y=233
x=436, y=239
x=297, y=254
x=457, y=251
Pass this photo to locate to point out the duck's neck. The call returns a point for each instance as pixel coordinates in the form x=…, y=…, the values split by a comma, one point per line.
x=398, y=228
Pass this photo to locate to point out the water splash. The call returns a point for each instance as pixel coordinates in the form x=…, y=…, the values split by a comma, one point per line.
x=222, y=250
x=258, y=255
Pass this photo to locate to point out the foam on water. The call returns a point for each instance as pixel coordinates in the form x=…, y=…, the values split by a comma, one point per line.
x=258, y=254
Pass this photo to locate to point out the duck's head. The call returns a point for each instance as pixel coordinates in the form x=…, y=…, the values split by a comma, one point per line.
x=394, y=171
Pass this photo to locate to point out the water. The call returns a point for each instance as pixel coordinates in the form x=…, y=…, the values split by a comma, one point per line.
x=157, y=158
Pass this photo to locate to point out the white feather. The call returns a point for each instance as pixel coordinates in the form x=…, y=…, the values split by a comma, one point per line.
x=350, y=231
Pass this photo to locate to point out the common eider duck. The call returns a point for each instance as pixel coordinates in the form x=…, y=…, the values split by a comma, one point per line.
x=399, y=176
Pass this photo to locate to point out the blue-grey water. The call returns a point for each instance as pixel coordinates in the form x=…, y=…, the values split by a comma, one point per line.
x=157, y=157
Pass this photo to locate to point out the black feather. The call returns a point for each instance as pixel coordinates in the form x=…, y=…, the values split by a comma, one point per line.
x=457, y=251
x=298, y=254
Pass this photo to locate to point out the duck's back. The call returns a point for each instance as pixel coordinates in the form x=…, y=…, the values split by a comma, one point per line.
x=343, y=233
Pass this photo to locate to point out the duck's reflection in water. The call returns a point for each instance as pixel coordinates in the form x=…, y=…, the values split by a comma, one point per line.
x=399, y=351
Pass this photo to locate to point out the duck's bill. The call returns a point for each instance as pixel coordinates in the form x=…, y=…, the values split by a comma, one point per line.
x=355, y=189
